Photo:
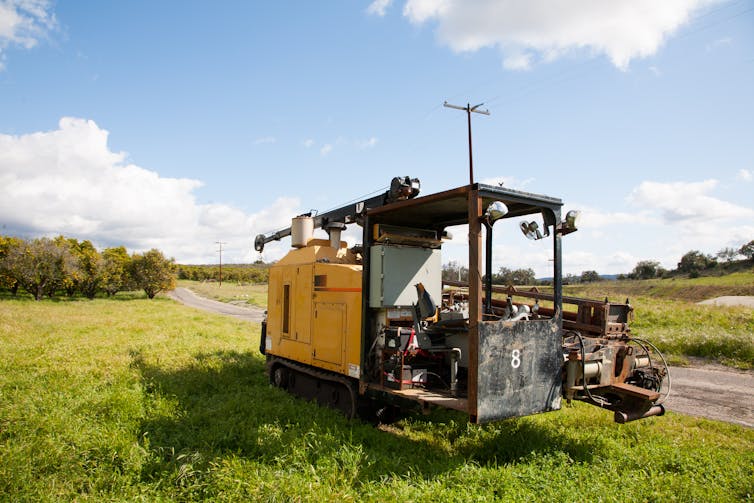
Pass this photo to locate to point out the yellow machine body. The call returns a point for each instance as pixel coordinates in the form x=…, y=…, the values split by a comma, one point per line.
x=314, y=308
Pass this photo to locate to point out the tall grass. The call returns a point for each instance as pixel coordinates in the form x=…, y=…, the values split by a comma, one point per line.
x=667, y=313
x=682, y=289
x=138, y=400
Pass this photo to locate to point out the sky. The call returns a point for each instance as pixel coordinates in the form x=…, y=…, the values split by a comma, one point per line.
x=177, y=125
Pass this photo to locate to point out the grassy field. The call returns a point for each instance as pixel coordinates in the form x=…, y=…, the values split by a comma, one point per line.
x=666, y=313
x=685, y=289
x=129, y=399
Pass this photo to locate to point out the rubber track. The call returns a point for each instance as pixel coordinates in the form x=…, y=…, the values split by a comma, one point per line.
x=322, y=375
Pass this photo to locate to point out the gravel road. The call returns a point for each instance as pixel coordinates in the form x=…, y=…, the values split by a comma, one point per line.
x=714, y=392
x=729, y=300
x=710, y=391
x=189, y=298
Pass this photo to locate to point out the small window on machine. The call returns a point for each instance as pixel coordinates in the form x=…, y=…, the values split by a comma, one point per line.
x=286, y=308
x=320, y=280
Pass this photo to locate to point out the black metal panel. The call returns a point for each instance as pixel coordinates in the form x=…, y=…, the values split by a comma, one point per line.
x=519, y=370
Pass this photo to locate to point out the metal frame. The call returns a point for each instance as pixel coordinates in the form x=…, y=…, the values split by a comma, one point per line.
x=462, y=205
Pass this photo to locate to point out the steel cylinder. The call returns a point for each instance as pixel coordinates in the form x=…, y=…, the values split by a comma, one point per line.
x=302, y=230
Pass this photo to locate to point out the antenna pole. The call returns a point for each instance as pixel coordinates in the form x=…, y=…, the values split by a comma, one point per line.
x=221, y=243
x=468, y=109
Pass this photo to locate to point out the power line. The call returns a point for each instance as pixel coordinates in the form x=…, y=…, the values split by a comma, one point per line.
x=468, y=109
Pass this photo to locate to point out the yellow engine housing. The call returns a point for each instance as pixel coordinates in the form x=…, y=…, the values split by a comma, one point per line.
x=314, y=308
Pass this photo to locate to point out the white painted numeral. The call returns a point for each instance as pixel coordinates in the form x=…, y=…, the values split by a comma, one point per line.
x=515, y=358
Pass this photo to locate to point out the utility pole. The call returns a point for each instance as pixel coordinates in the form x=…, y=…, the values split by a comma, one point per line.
x=221, y=243
x=468, y=109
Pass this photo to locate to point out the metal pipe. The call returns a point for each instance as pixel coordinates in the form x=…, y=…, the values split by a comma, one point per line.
x=557, y=272
x=641, y=361
x=625, y=417
x=592, y=369
x=488, y=270
x=455, y=355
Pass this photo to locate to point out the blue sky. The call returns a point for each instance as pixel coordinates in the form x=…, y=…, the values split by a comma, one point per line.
x=178, y=124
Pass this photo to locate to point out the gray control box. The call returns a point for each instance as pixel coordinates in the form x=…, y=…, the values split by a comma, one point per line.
x=394, y=270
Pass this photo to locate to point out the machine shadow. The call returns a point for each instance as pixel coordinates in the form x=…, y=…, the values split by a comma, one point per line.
x=222, y=405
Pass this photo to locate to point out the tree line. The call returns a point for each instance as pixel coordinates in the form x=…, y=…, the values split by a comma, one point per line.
x=694, y=263
x=453, y=271
x=238, y=273
x=47, y=267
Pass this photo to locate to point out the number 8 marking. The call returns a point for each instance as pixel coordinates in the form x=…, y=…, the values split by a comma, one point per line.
x=515, y=358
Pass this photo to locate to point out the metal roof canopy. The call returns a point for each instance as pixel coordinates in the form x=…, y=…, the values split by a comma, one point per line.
x=451, y=207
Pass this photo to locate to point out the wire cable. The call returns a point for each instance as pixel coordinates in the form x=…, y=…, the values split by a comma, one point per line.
x=642, y=342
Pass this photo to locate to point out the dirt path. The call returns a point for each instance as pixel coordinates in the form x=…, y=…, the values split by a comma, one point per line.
x=710, y=391
x=730, y=300
x=189, y=298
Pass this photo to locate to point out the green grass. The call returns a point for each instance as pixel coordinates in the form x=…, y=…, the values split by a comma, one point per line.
x=683, y=289
x=682, y=329
x=143, y=400
x=229, y=292
x=667, y=314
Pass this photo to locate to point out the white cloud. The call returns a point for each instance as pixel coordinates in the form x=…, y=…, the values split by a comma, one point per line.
x=721, y=42
x=509, y=182
x=691, y=218
x=379, y=7
x=23, y=23
x=595, y=218
x=370, y=143
x=745, y=175
x=342, y=141
x=517, y=61
x=621, y=29
x=67, y=181
x=686, y=202
x=265, y=140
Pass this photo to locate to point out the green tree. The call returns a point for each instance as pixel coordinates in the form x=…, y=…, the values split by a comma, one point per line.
x=590, y=276
x=39, y=266
x=694, y=262
x=71, y=273
x=115, y=270
x=7, y=279
x=747, y=250
x=524, y=277
x=452, y=271
x=506, y=276
x=85, y=274
x=152, y=272
x=571, y=279
x=728, y=254
x=646, y=269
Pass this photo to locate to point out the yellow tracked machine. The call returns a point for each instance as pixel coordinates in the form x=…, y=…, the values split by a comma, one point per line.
x=373, y=328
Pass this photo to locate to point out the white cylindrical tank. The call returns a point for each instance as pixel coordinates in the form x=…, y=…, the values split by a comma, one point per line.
x=302, y=230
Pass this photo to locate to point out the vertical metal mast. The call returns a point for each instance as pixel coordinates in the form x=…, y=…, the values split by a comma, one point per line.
x=468, y=109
